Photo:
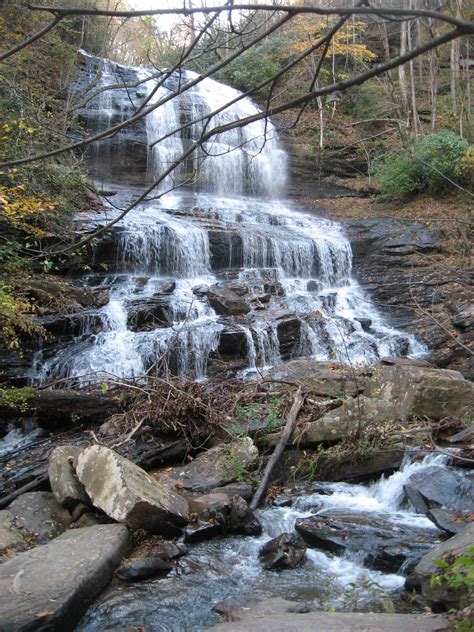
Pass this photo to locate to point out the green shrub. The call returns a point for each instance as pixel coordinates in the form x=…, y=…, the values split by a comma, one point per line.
x=441, y=156
x=435, y=163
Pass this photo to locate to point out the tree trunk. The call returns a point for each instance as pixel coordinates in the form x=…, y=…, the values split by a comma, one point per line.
x=285, y=435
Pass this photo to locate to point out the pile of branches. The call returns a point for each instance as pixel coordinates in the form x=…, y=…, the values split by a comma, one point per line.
x=177, y=407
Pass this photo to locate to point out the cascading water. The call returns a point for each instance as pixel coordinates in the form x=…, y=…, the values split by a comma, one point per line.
x=293, y=270
x=226, y=568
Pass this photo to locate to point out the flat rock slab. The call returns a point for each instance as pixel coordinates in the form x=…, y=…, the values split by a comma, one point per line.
x=337, y=622
x=51, y=586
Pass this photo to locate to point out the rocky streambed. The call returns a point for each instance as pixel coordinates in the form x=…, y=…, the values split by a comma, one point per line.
x=183, y=548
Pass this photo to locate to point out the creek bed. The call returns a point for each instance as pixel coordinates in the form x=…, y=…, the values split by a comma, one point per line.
x=229, y=568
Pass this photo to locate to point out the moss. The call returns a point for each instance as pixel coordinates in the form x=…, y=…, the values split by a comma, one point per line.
x=17, y=398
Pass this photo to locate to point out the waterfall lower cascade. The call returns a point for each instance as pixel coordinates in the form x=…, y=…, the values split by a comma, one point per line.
x=213, y=271
x=229, y=568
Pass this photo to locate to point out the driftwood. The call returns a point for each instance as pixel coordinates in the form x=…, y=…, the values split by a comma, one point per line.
x=285, y=435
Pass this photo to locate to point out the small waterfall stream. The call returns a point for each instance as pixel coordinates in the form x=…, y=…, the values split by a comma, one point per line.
x=226, y=568
x=224, y=226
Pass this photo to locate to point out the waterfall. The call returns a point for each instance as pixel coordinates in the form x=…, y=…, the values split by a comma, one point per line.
x=225, y=225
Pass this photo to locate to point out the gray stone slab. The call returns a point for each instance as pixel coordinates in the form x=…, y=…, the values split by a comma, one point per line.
x=336, y=622
x=51, y=586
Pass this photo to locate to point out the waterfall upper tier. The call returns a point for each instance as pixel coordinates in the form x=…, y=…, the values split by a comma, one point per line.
x=207, y=279
x=244, y=160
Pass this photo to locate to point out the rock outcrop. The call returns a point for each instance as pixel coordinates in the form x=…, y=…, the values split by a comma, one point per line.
x=437, y=486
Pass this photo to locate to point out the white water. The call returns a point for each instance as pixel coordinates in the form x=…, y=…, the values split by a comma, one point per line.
x=226, y=568
x=205, y=236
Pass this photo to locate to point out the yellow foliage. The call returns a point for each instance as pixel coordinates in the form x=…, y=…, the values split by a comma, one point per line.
x=306, y=30
x=14, y=319
x=23, y=211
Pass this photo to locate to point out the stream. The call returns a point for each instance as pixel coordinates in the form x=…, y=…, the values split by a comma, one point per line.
x=229, y=568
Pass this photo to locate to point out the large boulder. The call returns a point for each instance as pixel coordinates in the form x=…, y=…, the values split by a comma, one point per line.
x=385, y=548
x=65, y=485
x=415, y=390
x=218, y=466
x=39, y=516
x=353, y=416
x=128, y=494
x=51, y=586
x=440, y=594
x=285, y=551
x=437, y=486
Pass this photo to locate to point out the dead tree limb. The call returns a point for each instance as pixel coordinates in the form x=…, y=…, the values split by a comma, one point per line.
x=285, y=435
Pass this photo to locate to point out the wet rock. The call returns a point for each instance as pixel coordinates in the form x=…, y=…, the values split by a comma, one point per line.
x=226, y=302
x=438, y=486
x=128, y=494
x=217, y=466
x=286, y=551
x=289, y=335
x=313, y=286
x=365, y=323
x=148, y=313
x=282, y=501
x=40, y=515
x=65, y=485
x=233, y=344
x=62, y=406
x=279, y=615
x=242, y=519
x=448, y=521
x=150, y=566
x=368, y=466
x=45, y=291
x=441, y=595
x=50, y=587
x=387, y=547
x=201, y=531
x=219, y=514
x=225, y=249
x=209, y=503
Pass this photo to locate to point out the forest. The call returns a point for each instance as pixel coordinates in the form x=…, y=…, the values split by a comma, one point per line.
x=236, y=315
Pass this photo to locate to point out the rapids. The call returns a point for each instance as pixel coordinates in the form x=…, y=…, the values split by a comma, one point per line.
x=226, y=568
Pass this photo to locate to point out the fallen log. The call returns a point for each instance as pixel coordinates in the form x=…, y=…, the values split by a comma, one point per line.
x=285, y=436
x=59, y=406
